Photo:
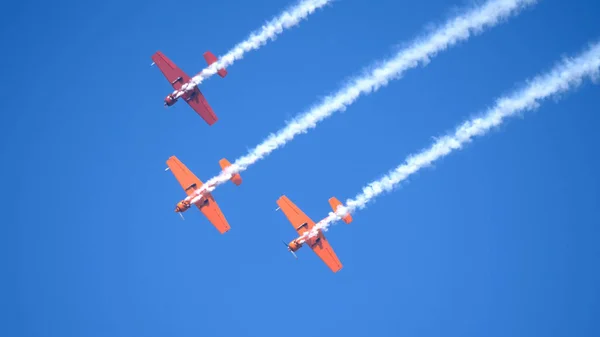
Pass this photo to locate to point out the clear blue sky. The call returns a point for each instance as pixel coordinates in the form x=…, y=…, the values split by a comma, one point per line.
x=500, y=239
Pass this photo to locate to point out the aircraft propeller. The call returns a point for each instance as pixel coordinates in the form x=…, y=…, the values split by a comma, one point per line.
x=291, y=251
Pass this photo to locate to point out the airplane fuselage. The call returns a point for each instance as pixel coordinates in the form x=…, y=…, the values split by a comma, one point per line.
x=186, y=203
x=305, y=238
x=172, y=98
x=298, y=242
x=196, y=198
x=183, y=92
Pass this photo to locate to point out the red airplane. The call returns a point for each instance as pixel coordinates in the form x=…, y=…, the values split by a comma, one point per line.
x=203, y=200
x=178, y=78
x=302, y=223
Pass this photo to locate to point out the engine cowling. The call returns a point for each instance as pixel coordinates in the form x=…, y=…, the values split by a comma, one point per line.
x=170, y=100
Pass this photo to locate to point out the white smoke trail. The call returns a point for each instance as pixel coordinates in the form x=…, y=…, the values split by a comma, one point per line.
x=565, y=76
x=421, y=50
x=269, y=31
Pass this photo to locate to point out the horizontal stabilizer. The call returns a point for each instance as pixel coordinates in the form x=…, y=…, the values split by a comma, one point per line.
x=210, y=59
x=236, y=178
x=335, y=203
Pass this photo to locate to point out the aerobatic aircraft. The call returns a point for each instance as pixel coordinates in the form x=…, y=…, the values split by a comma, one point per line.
x=201, y=199
x=302, y=223
x=178, y=79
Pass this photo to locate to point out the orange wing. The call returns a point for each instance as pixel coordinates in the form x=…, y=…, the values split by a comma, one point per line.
x=302, y=223
x=189, y=182
x=297, y=218
x=211, y=210
x=321, y=246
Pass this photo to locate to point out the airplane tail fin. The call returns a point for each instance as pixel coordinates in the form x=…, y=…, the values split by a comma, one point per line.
x=210, y=59
x=236, y=179
x=335, y=203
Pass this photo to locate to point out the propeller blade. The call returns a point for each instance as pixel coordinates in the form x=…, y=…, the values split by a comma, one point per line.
x=181, y=215
x=289, y=250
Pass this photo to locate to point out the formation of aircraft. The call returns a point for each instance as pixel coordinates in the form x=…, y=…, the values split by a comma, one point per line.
x=302, y=223
x=203, y=199
x=178, y=78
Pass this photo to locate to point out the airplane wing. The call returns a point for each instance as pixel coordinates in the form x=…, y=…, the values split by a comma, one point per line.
x=213, y=213
x=189, y=182
x=197, y=102
x=201, y=106
x=323, y=249
x=296, y=217
x=302, y=223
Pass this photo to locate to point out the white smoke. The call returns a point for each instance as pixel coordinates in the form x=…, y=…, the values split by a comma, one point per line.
x=269, y=31
x=565, y=76
x=458, y=29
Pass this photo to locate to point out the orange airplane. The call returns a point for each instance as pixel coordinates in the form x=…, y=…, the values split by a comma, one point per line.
x=202, y=199
x=302, y=223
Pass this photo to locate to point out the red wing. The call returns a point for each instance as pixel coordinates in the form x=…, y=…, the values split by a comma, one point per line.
x=323, y=249
x=303, y=223
x=188, y=181
x=170, y=70
x=212, y=211
x=297, y=218
x=200, y=105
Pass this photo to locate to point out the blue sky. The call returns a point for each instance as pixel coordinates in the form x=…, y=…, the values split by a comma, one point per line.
x=498, y=239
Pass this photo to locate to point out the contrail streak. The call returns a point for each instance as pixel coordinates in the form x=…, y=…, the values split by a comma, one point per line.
x=565, y=76
x=269, y=31
x=455, y=30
